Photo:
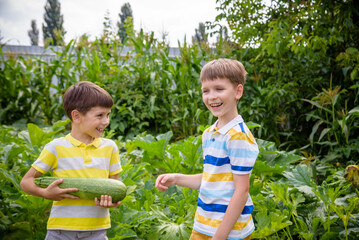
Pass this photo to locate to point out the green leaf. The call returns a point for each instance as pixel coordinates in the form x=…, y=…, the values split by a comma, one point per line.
x=330, y=236
x=318, y=105
x=11, y=177
x=351, y=50
x=300, y=176
x=252, y=125
x=286, y=158
x=36, y=134
x=268, y=224
x=261, y=168
x=354, y=110
x=170, y=230
x=314, y=130
x=354, y=74
x=280, y=190
x=323, y=133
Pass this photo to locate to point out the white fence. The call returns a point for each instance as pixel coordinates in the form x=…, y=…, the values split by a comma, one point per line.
x=50, y=52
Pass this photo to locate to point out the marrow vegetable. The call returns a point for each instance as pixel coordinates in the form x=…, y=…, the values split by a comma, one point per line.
x=88, y=188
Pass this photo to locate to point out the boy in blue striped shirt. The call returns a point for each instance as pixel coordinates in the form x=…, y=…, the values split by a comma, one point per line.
x=229, y=152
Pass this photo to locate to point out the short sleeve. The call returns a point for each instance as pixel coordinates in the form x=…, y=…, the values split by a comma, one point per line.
x=47, y=160
x=115, y=164
x=242, y=152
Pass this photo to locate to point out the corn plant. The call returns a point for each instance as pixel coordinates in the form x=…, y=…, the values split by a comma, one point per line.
x=334, y=123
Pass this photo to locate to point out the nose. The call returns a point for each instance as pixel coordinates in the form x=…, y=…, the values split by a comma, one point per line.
x=212, y=95
x=106, y=120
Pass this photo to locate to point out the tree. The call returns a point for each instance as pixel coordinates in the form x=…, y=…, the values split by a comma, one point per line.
x=200, y=34
x=53, y=29
x=223, y=34
x=126, y=20
x=295, y=51
x=107, y=26
x=34, y=33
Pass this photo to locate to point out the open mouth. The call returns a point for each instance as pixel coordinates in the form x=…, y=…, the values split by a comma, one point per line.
x=216, y=105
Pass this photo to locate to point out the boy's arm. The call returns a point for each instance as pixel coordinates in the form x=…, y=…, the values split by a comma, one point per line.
x=235, y=206
x=52, y=192
x=166, y=180
x=114, y=176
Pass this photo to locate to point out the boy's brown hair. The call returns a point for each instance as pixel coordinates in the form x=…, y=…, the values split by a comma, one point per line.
x=83, y=96
x=233, y=70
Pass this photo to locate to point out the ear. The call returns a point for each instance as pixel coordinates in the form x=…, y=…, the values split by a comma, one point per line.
x=76, y=116
x=239, y=91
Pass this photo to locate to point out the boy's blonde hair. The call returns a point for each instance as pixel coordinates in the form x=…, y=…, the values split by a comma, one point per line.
x=233, y=70
x=85, y=95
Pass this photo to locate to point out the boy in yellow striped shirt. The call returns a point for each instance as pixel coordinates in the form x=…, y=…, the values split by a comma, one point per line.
x=224, y=205
x=82, y=153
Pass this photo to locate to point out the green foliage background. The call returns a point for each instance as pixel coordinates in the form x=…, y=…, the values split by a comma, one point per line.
x=301, y=102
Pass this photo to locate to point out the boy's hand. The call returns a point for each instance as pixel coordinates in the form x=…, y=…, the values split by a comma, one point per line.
x=55, y=193
x=106, y=202
x=164, y=181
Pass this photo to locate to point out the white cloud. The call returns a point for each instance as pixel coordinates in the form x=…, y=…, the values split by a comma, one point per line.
x=15, y=19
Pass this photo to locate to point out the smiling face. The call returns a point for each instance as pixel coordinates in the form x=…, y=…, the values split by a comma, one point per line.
x=88, y=126
x=221, y=96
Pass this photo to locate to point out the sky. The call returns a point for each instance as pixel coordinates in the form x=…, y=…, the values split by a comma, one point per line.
x=178, y=18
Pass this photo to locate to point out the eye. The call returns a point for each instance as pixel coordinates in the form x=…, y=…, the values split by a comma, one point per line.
x=204, y=91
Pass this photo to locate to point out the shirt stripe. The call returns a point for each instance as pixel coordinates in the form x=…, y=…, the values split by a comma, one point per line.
x=221, y=207
x=238, y=226
x=228, y=176
x=241, y=168
x=226, y=193
x=242, y=153
x=78, y=223
x=215, y=161
x=88, y=211
x=241, y=126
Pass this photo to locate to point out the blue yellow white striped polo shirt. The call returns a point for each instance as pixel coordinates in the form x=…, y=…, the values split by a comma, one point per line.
x=226, y=151
x=68, y=157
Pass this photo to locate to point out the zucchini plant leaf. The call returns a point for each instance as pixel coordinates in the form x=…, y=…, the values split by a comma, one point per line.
x=299, y=176
x=263, y=169
x=268, y=224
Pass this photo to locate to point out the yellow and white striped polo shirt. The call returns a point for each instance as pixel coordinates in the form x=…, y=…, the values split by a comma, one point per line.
x=68, y=157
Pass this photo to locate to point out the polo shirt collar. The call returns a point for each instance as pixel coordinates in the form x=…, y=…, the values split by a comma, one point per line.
x=229, y=125
x=96, y=142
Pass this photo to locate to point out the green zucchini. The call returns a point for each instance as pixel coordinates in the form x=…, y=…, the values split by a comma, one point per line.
x=88, y=188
